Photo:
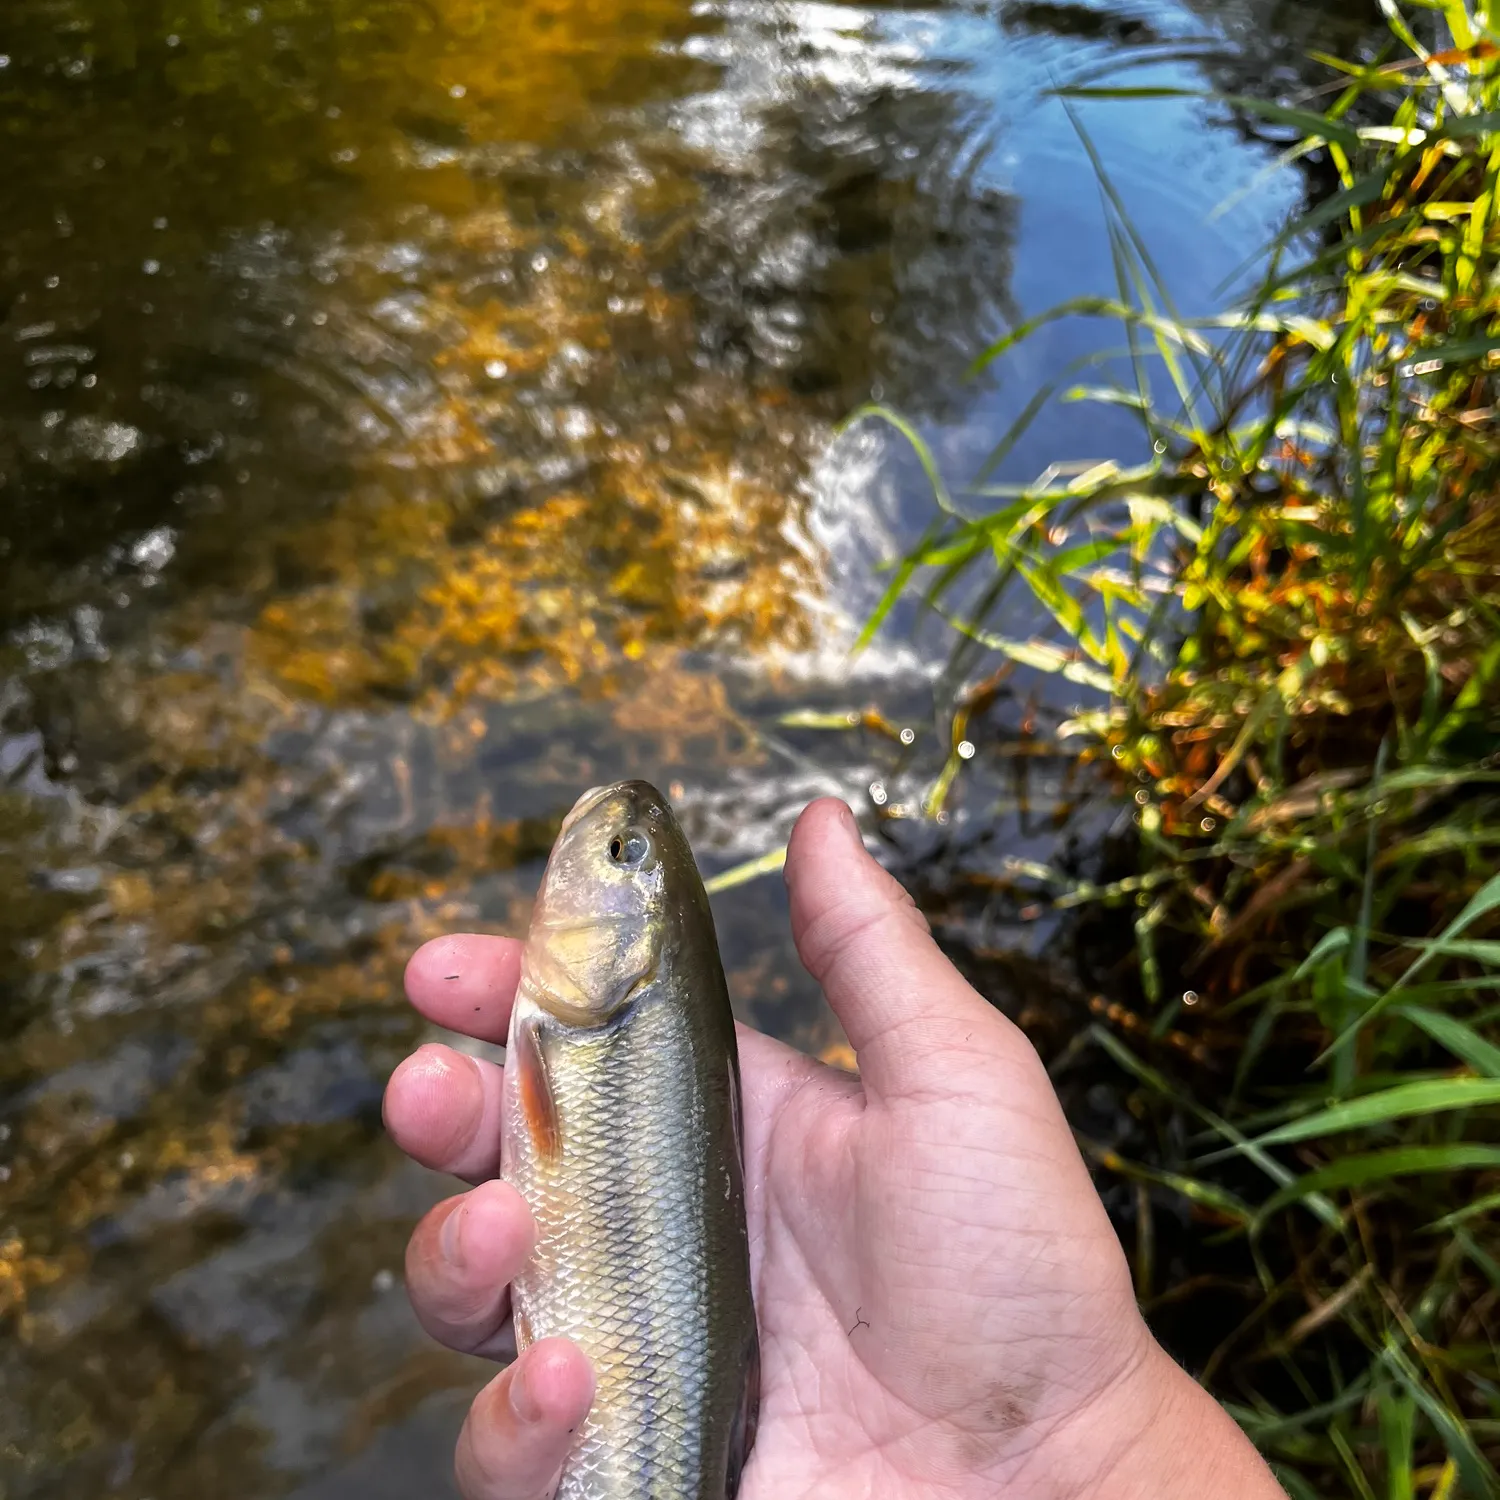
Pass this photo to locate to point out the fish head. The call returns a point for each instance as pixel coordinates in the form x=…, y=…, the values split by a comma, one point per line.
x=602, y=912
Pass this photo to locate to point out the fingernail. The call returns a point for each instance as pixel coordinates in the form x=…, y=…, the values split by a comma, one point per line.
x=522, y=1400
x=450, y=1237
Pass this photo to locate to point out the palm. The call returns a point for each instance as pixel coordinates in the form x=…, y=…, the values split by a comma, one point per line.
x=917, y=1282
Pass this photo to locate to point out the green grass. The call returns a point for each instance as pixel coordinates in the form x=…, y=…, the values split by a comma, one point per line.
x=1287, y=615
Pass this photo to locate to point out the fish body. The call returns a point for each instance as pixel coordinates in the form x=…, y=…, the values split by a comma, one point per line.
x=622, y=1132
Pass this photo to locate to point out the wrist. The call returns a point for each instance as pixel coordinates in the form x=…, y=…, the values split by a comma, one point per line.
x=1156, y=1434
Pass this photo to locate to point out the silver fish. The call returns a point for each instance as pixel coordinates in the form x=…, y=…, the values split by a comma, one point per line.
x=622, y=1132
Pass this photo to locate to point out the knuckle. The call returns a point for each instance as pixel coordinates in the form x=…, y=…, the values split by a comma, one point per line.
x=831, y=935
x=451, y=1309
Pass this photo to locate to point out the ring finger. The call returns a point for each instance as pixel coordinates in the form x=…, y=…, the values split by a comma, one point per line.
x=459, y=1265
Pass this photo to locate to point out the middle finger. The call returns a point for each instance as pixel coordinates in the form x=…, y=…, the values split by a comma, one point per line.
x=442, y=1108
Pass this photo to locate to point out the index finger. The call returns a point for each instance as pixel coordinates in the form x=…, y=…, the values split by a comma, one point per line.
x=466, y=983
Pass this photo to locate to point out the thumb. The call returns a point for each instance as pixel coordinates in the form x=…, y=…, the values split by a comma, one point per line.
x=908, y=1012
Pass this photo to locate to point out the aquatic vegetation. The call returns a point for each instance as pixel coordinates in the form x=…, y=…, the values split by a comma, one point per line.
x=1283, y=624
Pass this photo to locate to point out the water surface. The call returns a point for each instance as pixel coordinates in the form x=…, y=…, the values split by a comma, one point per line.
x=411, y=412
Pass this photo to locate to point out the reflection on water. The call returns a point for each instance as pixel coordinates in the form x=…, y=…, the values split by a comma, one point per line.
x=410, y=412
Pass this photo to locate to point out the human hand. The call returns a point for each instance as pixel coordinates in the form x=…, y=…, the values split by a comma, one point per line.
x=944, y=1307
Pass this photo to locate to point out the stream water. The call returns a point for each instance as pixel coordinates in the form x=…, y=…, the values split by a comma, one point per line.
x=412, y=412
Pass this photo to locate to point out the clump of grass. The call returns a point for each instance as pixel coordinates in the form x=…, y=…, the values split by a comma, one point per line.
x=1289, y=613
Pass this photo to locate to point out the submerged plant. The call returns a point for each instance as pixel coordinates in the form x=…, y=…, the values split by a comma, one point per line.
x=1289, y=615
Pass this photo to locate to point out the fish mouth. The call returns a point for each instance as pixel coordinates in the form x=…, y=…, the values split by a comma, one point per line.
x=586, y=804
x=641, y=795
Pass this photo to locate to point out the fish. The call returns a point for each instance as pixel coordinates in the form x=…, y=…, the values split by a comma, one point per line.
x=622, y=1129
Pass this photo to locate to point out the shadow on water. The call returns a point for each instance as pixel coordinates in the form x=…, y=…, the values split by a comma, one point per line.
x=400, y=430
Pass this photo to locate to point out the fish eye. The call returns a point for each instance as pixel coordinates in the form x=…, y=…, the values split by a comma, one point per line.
x=629, y=848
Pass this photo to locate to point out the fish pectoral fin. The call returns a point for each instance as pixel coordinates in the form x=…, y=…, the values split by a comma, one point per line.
x=538, y=1106
x=742, y=1434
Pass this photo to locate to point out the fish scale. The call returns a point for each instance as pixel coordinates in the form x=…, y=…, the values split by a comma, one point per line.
x=612, y=1257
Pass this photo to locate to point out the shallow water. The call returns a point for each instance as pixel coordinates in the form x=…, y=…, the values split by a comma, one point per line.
x=411, y=412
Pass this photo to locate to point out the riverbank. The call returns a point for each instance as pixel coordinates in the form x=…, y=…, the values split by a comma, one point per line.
x=1287, y=618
